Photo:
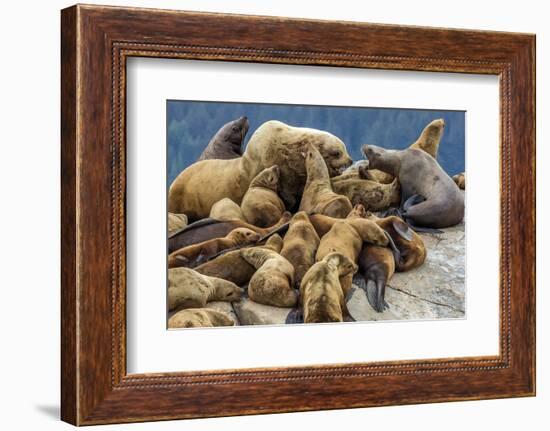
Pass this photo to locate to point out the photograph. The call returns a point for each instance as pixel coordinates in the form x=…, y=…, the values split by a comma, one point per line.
x=286, y=214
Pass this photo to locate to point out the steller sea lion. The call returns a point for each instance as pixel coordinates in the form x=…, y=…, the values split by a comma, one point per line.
x=347, y=237
x=176, y=222
x=377, y=265
x=206, y=229
x=320, y=292
x=373, y=195
x=204, y=183
x=460, y=180
x=429, y=196
x=300, y=244
x=322, y=223
x=261, y=206
x=272, y=283
x=318, y=196
x=199, y=318
x=232, y=267
x=196, y=254
x=227, y=142
x=189, y=289
x=225, y=209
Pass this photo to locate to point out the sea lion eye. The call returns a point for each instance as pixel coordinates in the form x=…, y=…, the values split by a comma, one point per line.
x=235, y=128
x=337, y=153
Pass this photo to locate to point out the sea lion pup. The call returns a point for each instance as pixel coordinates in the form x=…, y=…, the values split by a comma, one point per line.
x=176, y=222
x=227, y=142
x=430, y=137
x=373, y=195
x=429, y=196
x=347, y=237
x=460, y=180
x=272, y=283
x=189, y=289
x=196, y=254
x=204, y=183
x=199, y=318
x=322, y=223
x=377, y=265
x=320, y=292
x=226, y=209
x=232, y=267
x=300, y=244
x=261, y=206
x=318, y=196
x=206, y=229
x=411, y=247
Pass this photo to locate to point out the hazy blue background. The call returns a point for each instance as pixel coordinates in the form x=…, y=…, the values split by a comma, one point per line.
x=191, y=125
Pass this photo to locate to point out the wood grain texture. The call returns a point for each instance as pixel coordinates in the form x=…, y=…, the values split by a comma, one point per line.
x=96, y=41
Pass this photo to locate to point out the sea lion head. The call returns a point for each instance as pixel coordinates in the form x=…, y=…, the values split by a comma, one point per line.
x=268, y=178
x=334, y=152
x=227, y=291
x=381, y=158
x=338, y=262
x=358, y=211
x=234, y=133
x=243, y=235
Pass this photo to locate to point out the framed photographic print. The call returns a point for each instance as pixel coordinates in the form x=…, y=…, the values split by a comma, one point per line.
x=286, y=207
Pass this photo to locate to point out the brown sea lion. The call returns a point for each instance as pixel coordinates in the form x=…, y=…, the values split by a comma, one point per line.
x=206, y=229
x=373, y=195
x=227, y=142
x=429, y=196
x=376, y=265
x=460, y=180
x=195, y=254
x=199, y=318
x=272, y=282
x=204, y=183
x=261, y=206
x=318, y=196
x=225, y=209
x=320, y=292
x=347, y=237
x=322, y=223
x=189, y=289
x=232, y=267
x=300, y=244
x=176, y=222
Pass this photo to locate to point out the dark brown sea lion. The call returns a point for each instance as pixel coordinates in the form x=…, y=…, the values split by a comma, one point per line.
x=227, y=142
x=429, y=196
x=460, y=180
x=206, y=229
x=376, y=265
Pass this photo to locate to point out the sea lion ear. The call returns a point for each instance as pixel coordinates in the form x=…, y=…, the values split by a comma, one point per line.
x=403, y=229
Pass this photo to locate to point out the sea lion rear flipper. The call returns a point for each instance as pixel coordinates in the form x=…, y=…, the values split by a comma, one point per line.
x=421, y=229
x=376, y=290
x=199, y=223
x=403, y=229
x=411, y=201
x=295, y=316
x=395, y=251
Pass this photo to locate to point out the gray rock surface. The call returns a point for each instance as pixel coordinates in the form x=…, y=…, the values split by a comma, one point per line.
x=252, y=313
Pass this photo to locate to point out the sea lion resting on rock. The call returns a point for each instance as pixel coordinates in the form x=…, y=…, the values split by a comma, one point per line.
x=347, y=237
x=318, y=196
x=261, y=206
x=430, y=197
x=460, y=180
x=227, y=142
x=204, y=183
x=373, y=195
x=232, y=267
x=300, y=244
x=189, y=289
x=377, y=265
x=206, y=229
x=199, y=318
x=225, y=209
x=320, y=292
x=272, y=283
x=322, y=223
x=196, y=254
x=176, y=222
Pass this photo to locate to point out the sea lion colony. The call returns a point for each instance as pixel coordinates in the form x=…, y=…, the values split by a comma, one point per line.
x=290, y=220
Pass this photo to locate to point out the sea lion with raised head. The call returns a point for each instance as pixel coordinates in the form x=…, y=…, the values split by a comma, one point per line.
x=199, y=318
x=261, y=206
x=429, y=196
x=227, y=142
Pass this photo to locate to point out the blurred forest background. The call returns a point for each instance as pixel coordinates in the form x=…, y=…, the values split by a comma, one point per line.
x=191, y=125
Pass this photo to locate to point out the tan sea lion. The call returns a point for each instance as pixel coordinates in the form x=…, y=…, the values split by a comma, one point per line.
x=199, y=318
x=320, y=292
x=176, y=222
x=322, y=223
x=300, y=244
x=356, y=171
x=347, y=237
x=225, y=209
x=376, y=265
x=373, y=195
x=261, y=206
x=430, y=197
x=232, y=267
x=460, y=180
x=227, y=142
x=204, y=183
x=189, y=289
x=206, y=229
x=318, y=196
x=272, y=283
x=196, y=254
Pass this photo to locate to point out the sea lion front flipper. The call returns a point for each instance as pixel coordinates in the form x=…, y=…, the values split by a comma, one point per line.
x=411, y=201
x=403, y=229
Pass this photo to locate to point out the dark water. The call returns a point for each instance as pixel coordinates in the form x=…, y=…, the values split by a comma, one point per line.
x=191, y=125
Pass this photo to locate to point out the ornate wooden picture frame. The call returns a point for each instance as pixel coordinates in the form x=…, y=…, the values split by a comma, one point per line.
x=96, y=42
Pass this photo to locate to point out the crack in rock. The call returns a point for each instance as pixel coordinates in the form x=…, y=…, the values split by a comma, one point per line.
x=425, y=300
